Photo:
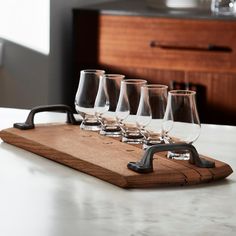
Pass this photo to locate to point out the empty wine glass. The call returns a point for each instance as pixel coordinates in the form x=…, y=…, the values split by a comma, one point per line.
x=91, y=98
x=110, y=126
x=181, y=123
x=150, y=113
x=127, y=108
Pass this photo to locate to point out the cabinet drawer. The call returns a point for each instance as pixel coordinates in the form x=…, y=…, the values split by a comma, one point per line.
x=178, y=44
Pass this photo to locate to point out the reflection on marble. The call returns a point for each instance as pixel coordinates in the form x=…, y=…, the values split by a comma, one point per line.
x=42, y=198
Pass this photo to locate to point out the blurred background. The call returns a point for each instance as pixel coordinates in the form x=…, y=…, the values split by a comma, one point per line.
x=36, y=51
x=180, y=43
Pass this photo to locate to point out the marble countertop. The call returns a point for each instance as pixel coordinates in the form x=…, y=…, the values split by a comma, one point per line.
x=43, y=198
x=142, y=8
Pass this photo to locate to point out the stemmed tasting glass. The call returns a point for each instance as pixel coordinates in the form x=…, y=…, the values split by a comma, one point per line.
x=181, y=123
x=150, y=113
x=91, y=98
x=110, y=126
x=127, y=108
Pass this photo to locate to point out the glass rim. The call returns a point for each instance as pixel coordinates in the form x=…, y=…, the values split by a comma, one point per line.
x=182, y=92
x=155, y=86
x=134, y=81
x=93, y=71
x=113, y=76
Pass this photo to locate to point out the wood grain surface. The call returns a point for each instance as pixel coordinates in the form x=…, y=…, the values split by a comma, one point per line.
x=107, y=158
x=177, y=44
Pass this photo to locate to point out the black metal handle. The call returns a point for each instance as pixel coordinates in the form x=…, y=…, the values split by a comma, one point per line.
x=145, y=165
x=209, y=47
x=29, y=123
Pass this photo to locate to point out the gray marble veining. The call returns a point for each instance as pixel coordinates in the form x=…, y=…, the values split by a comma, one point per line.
x=42, y=198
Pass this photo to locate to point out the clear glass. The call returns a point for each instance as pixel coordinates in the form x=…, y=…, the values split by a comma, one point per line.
x=150, y=113
x=110, y=126
x=126, y=110
x=181, y=122
x=91, y=98
x=223, y=7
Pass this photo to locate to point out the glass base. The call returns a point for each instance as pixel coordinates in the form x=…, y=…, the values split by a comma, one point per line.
x=226, y=11
x=149, y=143
x=111, y=131
x=90, y=126
x=132, y=138
x=185, y=155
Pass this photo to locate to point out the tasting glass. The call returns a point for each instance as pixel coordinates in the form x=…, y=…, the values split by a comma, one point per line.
x=223, y=7
x=110, y=126
x=91, y=98
x=181, y=123
x=126, y=110
x=150, y=113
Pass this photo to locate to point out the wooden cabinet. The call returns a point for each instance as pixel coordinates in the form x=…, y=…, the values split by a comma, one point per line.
x=183, y=53
x=164, y=43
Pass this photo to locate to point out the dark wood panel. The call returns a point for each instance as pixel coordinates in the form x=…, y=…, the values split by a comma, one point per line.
x=220, y=106
x=150, y=74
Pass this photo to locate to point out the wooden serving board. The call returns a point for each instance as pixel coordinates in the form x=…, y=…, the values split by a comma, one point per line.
x=107, y=158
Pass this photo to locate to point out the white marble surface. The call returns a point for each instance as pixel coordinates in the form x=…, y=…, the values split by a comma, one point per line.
x=39, y=197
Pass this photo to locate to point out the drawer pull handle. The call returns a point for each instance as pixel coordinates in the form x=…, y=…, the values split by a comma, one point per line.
x=209, y=47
